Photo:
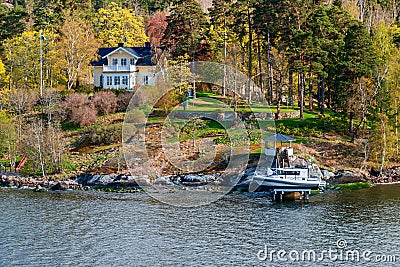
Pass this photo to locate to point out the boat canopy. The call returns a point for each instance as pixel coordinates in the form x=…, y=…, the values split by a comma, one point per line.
x=279, y=138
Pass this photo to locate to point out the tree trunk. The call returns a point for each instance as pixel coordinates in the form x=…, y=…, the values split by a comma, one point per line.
x=260, y=68
x=224, y=81
x=322, y=96
x=301, y=94
x=250, y=70
x=383, y=158
x=279, y=96
x=310, y=97
x=397, y=136
x=328, y=99
x=351, y=122
x=310, y=87
x=269, y=67
x=291, y=100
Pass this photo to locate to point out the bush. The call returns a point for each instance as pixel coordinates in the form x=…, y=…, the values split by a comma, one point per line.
x=78, y=110
x=74, y=101
x=107, y=135
x=83, y=116
x=123, y=101
x=105, y=102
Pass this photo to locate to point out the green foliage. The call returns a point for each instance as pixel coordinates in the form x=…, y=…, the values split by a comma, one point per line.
x=212, y=132
x=193, y=126
x=107, y=135
x=47, y=14
x=11, y=22
x=350, y=186
x=186, y=28
x=135, y=116
x=8, y=134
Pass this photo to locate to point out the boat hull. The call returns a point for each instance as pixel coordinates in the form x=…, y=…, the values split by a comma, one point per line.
x=280, y=183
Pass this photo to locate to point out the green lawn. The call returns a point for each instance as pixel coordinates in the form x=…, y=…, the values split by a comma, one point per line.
x=313, y=125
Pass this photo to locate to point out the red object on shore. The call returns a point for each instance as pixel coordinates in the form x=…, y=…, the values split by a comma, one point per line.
x=21, y=163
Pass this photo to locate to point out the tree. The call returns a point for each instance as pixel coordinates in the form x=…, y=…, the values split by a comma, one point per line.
x=115, y=24
x=186, y=29
x=156, y=27
x=8, y=138
x=47, y=14
x=11, y=21
x=243, y=24
x=358, y=62
x=221, y=33
x=192, y=127
x=23, y=57
x=79, y=47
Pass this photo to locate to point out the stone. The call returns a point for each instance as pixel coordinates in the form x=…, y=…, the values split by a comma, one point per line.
x=59, y=186
x=105, y=179
x=142, y=181
x=345, y=177
x=327, y=174
x=163, y=181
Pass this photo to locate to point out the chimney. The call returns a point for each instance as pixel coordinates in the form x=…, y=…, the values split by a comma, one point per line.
x=120, y=44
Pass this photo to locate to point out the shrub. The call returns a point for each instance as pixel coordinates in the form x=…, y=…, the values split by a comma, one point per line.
x=74, y=101
x=107, y=135
x=78, y=110
x=105, y=102
x=123, y=101
x=83, y=116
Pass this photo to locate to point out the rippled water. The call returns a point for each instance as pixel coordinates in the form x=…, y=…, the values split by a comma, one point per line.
x=99, y=229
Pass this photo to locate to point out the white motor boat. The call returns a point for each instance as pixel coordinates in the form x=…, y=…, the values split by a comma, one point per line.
x=284, y=174
x=305, y=177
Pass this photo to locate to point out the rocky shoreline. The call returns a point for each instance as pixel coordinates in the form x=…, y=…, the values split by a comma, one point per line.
x=95, y=181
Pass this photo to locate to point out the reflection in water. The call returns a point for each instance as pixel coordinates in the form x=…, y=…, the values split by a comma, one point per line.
x=91, y=228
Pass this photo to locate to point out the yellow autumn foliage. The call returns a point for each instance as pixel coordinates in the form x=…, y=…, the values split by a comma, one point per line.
x=115, y=24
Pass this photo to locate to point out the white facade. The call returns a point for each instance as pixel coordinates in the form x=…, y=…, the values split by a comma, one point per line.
x=122, y=71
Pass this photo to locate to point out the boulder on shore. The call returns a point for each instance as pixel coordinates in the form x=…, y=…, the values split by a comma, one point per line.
x=59, y=186
x=346, y=177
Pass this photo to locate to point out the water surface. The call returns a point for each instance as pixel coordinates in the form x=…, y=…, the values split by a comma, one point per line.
x=100, y=229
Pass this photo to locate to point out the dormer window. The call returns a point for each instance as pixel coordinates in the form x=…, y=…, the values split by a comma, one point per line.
x=115, y=61
x=123, y=61
x=132, y=61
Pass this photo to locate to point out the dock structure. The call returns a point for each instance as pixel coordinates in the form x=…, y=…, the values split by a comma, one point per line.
x=279, y=192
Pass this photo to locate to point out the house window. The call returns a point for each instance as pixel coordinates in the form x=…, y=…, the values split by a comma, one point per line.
x=132, y=61
x=123, y=61
x=145, y=80
x=101, y=80
x=117, y=80
x=115, y=61
x=124, y=80
x=109, y=80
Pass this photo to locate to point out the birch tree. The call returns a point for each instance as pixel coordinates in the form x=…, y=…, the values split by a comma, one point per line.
x=79, y=46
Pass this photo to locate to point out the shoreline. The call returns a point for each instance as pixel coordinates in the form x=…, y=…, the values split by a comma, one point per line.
x=122, y=183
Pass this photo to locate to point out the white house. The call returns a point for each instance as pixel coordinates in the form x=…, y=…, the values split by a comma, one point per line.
x=123, y=67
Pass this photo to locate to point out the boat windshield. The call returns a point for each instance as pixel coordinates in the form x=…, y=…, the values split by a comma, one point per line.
x=315, y=172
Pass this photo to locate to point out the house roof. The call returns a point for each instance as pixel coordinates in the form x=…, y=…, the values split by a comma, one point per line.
x=143, y=54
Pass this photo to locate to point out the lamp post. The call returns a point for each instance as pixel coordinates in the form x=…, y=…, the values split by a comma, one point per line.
x=41, y=63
